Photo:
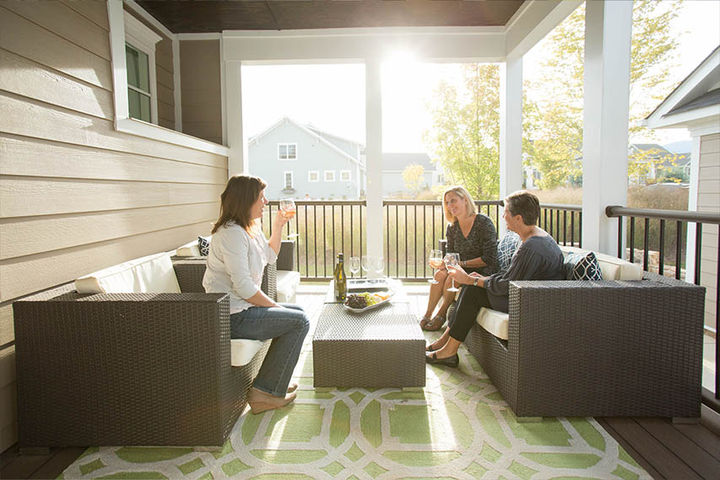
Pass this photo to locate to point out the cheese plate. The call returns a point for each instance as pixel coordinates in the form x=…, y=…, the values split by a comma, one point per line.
x=381, y=298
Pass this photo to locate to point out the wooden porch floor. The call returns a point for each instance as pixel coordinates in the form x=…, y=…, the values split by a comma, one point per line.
x=665, y=450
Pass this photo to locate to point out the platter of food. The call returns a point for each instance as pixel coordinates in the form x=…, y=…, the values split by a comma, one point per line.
x=362, y=302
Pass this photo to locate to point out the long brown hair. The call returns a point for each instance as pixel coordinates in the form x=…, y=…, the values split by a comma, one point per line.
x=241, y=192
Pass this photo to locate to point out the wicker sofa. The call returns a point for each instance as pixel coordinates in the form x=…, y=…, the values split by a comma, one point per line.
x=597, y=348
x=131, y=368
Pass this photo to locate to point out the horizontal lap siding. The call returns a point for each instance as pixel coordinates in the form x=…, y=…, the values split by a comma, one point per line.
x=76, y=195
x=709, y=201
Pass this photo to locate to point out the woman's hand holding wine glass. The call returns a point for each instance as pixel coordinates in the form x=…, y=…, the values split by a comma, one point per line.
x=451, y=261
x=287, y=211
x=436, y=261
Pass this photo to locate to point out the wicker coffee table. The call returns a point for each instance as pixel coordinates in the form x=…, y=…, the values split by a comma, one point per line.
x=382, y=347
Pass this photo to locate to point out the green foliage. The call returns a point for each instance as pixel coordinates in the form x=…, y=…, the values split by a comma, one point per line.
x=465, y=138
x=554, y=119
x=413, y=177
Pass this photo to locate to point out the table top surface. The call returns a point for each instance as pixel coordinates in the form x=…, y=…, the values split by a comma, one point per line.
x=392, y=321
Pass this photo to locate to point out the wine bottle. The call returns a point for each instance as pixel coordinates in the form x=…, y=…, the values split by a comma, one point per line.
x=340, y=279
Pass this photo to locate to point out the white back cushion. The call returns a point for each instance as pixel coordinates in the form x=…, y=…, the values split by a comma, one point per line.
x=190, y=249
x=242, y=350
x=151, y=274
x=613, y=268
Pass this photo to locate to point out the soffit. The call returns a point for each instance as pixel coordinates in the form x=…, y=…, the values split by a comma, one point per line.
x=207, y=16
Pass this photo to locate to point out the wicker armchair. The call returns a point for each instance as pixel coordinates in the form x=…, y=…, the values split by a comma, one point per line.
x=129, y=369
x=608, y=348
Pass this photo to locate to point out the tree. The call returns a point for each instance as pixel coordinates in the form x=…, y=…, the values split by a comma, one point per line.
x=466, y=131
x=554, y=119
x=413, y=176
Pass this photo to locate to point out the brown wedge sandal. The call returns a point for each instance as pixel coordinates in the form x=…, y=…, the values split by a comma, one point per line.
x=435, y=324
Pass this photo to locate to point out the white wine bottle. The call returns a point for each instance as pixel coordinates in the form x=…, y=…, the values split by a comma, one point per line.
x=340, y=279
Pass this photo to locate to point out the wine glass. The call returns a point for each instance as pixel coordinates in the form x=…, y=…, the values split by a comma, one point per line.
x=377, y=264
x=451, y=260
x=435, y=261
x=288, y=209
x=366, y=264
x=354, y=265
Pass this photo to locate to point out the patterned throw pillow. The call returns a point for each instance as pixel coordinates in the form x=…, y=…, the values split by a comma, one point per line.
x=204, y=246
x=506, y=249
x=582, y=266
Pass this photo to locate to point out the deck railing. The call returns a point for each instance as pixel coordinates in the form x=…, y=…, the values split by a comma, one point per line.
x=659, y=236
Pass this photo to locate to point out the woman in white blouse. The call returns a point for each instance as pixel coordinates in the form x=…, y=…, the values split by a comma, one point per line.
x=238, y=254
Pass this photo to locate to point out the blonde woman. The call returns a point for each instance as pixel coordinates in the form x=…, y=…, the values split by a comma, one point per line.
x=238, y=254
x=470, y=234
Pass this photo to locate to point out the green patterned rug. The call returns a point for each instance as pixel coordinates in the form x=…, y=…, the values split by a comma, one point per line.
x=457, y=427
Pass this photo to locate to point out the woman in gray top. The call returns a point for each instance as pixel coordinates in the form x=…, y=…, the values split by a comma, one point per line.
x=537, y=258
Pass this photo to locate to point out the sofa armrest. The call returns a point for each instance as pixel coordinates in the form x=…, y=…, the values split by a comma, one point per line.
x=97, y=361
x=639, y=340
x=286, y=256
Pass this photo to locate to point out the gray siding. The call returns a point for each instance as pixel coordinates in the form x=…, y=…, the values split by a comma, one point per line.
x=76, y=195
x=312, y=154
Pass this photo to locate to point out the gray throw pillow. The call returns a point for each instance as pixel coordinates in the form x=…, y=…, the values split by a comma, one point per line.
x=204, y=246
x=582, y=266
x=506, y=249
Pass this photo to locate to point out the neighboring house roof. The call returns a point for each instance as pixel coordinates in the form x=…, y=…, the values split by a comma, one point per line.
x=649, y=147
x=310, y=132
x=398, y=161
x=695, y=101
x=330, y=136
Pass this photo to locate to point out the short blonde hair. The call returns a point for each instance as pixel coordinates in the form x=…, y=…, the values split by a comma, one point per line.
x=461, y=192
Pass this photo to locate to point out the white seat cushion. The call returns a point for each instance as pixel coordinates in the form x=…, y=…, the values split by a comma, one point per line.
x=243, y=350
x=494, y=322
x=190, y=249
x=287, y=285
x=613, y=268
x=151, y=274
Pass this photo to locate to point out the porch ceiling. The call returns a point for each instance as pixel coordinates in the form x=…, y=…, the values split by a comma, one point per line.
x=215, y=16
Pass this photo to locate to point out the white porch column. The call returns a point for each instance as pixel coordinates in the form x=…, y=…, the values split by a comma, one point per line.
x=511, y=96
x=373, y=158
x=237, y=162
x=608, y=28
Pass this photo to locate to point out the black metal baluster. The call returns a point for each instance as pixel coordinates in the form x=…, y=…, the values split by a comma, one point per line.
x=661, y=260
x=698, y=250
x=325, y=244
x=646, y=241
x=424, y=242
x=580, y=230
x=387, y=238
x=415, y=242
x=632, y=240
x=564, y=227
x=352, y=229
x=620, y=237
x=361, y=224
x=678, y=250
x=406, y=241
x=572, y=229
x=332, y=219
x=297, y=239
x=315, y=239
x=397, y=242
x=307, y=242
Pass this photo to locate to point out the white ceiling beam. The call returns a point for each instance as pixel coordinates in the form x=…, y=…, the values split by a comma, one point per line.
x=533, y=21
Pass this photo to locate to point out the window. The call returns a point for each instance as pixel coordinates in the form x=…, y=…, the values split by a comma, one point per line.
x=140, y=62
x=287, y=151
x=288, y=181
x=344, y=175
x=329, y=175
x=313, y=176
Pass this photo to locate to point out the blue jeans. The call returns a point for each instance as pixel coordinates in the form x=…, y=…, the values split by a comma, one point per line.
x=287, y=325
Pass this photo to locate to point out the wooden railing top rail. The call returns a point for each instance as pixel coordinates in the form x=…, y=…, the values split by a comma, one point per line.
x=619, y=211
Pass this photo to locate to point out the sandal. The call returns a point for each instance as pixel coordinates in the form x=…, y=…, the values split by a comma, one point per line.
x=435, y=324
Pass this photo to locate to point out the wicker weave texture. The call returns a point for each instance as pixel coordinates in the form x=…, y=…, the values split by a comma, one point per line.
x=128, y=369
x=598, y=349
x=379, y=348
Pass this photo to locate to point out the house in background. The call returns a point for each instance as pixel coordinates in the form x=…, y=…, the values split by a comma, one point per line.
x=695, y=105
x=302, y=162
x=393, y=165
x=663, y=162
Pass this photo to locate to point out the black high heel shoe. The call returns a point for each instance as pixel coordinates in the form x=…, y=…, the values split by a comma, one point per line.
x=453, y=361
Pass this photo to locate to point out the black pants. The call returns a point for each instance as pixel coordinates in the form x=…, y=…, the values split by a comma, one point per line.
x=471, y=300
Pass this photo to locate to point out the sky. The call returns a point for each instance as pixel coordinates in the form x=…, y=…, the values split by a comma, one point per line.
x=332, y=97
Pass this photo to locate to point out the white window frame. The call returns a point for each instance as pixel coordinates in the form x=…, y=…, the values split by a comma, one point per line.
x=345, y=176
x=292, y=180
x=332, y=176
x=144, y=39
x=286, y=144
x=317, y=176
x=123, y=122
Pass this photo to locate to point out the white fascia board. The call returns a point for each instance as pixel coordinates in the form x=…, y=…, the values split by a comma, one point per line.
x=199, y=36
x=533, y=21
x=677, y=96
x=356, y=44
x=684, y=119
